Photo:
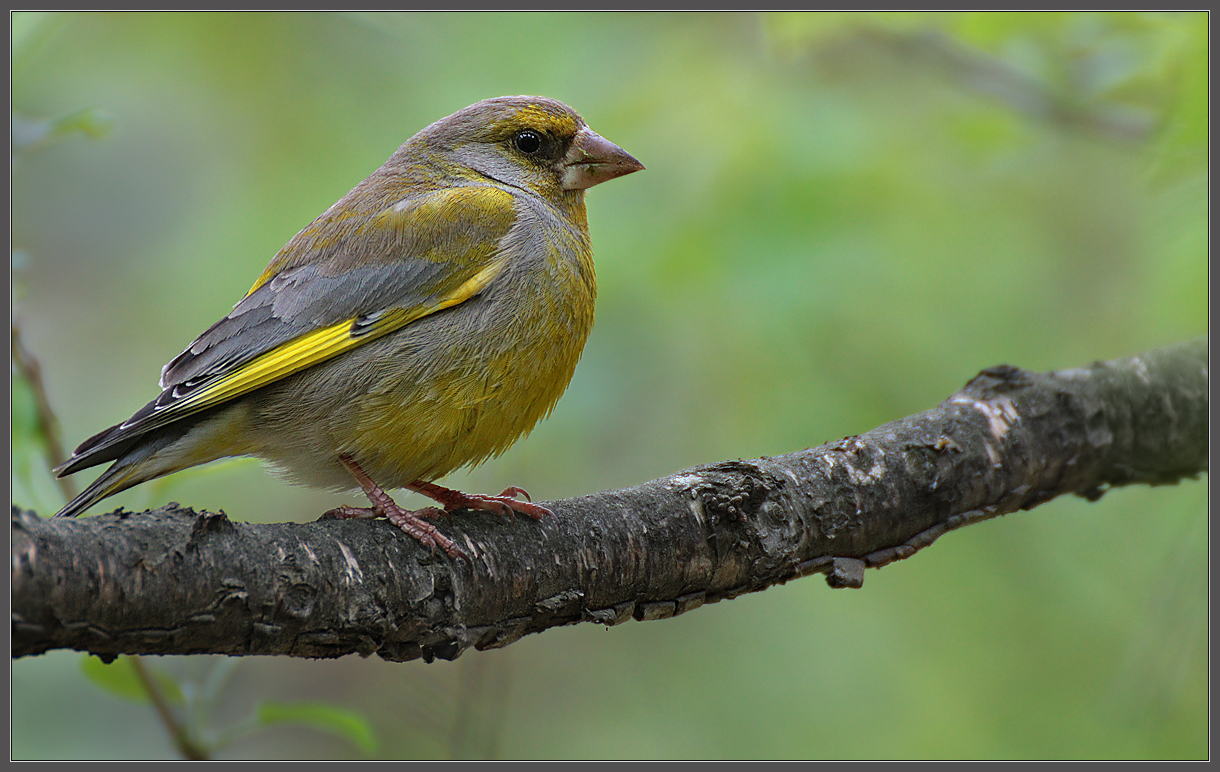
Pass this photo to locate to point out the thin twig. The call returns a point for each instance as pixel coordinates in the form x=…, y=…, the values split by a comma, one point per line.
x=182, y=738
x=27, y=365
x=998, y=79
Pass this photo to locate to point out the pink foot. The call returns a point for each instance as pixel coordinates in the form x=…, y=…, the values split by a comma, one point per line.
x=409, y=522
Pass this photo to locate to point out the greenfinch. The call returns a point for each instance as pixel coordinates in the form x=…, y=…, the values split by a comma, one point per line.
x=424, y=322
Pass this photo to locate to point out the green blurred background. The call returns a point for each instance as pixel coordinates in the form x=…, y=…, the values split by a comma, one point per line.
x=843, y=219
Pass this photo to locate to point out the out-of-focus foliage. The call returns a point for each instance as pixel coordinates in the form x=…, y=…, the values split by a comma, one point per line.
x=120, y=679
x=844, y=218
x=196, y=700
x=346, y=723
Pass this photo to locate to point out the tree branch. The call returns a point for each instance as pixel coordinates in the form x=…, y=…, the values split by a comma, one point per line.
x=172, y=581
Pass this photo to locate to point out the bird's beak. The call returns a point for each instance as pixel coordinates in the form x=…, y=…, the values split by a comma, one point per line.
x=593, y=159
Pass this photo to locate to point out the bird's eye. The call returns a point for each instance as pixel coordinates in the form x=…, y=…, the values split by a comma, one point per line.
x=528, y=141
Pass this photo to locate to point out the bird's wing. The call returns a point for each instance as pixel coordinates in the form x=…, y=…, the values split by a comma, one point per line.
x=435, y=252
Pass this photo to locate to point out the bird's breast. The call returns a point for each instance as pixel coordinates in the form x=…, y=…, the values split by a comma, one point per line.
x=473, y=379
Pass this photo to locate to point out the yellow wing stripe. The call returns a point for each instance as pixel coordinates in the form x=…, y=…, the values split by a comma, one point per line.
x=275, y=364
x=323, y=344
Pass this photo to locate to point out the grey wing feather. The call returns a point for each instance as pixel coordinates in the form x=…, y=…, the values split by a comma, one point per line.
x=293, y=303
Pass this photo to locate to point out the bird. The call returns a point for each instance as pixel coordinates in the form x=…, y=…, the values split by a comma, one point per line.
x=424, y=322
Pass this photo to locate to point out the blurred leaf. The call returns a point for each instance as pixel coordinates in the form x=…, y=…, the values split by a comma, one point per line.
x=120, y=679
x=341, y=721
x=25, y=428
x=32, y=134
x=26, y=442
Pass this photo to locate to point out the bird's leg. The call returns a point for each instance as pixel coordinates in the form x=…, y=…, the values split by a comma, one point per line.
x=412, y=523
x=506, y=503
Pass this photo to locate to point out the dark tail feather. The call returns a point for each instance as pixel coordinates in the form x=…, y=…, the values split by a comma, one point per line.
x=138, y=465
x=87, y=454
x=120, y=476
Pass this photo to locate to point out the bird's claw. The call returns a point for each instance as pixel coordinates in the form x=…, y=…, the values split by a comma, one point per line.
x=513, y=491
x=504, y=504
x=350, y=513
x=414, y=525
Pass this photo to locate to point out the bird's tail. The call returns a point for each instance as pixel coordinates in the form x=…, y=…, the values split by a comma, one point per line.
x=121, y=475
x=140, y=463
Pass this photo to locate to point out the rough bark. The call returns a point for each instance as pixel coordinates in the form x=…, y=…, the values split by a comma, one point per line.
x=174, y=581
